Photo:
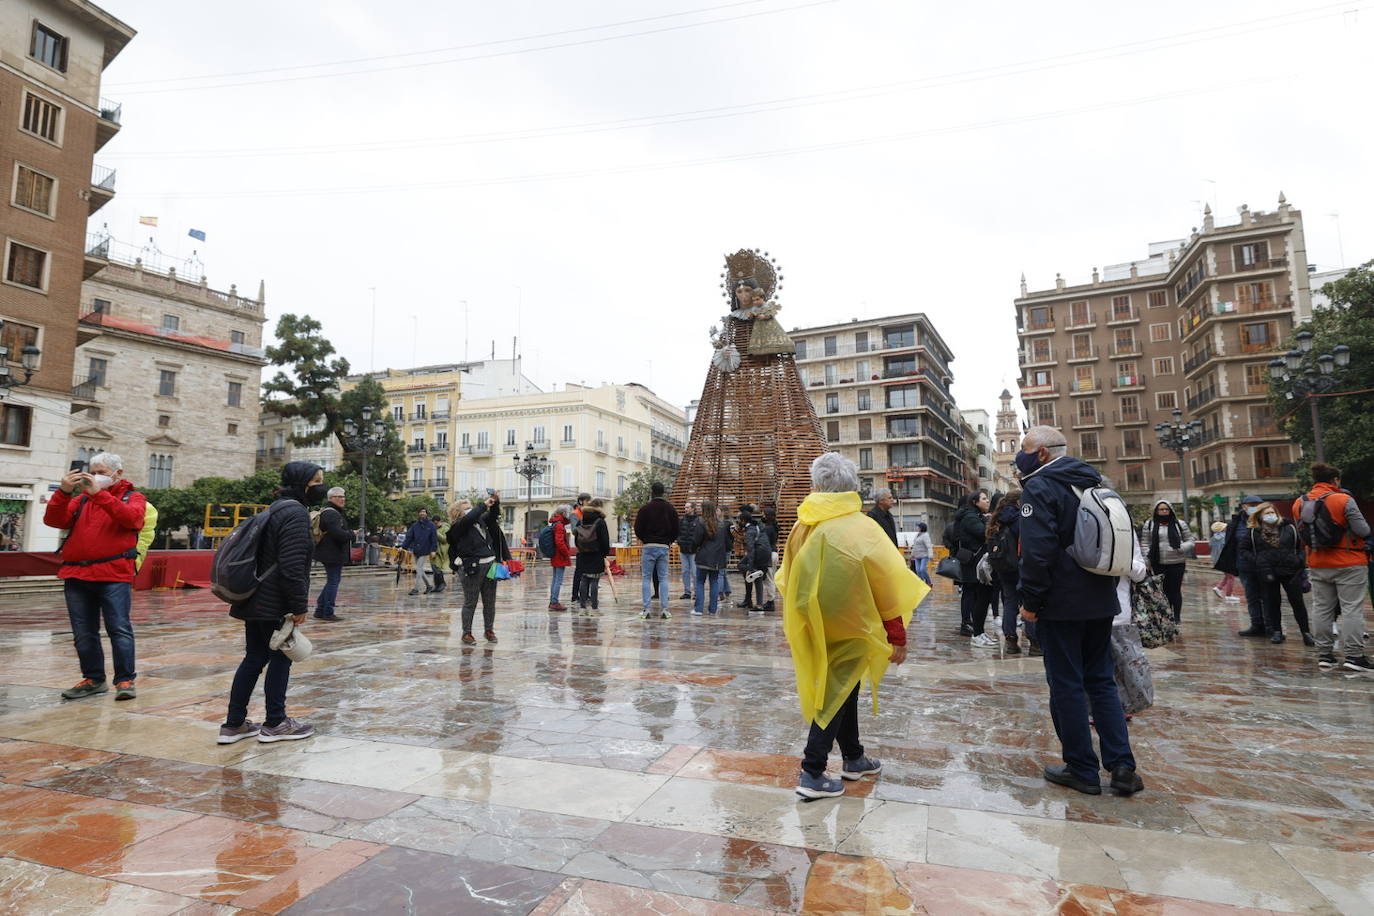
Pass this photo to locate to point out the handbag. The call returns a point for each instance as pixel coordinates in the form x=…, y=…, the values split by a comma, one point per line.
x=949, y=568
x=1151, y=614
x=1134, y=678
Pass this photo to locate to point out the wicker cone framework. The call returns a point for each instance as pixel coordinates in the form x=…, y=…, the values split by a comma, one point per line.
x=755, y=433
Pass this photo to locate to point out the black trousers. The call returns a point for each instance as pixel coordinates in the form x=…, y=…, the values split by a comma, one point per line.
x=257, y=655
x=577, y=585
x=1273, y=604
x=478, y=586
x=844, y=727
x=1173, y=586
x=974, y=600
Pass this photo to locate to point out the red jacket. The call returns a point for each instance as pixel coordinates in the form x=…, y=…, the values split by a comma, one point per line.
x=1351, y=552
x=562, y=555
x=108, y=526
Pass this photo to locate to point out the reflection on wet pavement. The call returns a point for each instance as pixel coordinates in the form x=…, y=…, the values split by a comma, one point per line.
x=610, y=765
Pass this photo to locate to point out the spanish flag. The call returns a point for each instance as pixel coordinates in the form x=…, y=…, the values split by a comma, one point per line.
x=147, y=220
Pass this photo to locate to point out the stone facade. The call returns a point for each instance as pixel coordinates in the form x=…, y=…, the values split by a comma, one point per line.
x=168, y=375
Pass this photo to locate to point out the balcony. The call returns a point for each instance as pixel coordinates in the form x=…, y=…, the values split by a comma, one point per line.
x=1259, y=346
x=102, y=187
x=438, y=483
x=1209, y=476
x=568, y=443
x=417, y=448
x=1198, y=359
x=440, y=415
x=511, y=447
x=1085, y=386
x=1124, y=348
x=277, y=452
x=97, y=257
x=1119, y=316
x=1081, y=354
x=1261, y=264
x=1040, y=391
x=415, y=483
x=1207, y=437
x=1127, y=417
x=1134, y=452
x=601, y=449
x=440, y=446
x=1036, y=325
x=1203, y=396
x=84, y=390
x=481, y=450
x=262, y=453
x=419, y=417
x=1092, y=422
x=1082, y=322
x=1096, y=454
x=939, y=497
x=108, y=124
x=465, y=449
x=1128, y=383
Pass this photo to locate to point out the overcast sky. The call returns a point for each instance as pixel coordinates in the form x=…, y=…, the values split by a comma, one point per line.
x=576, y=170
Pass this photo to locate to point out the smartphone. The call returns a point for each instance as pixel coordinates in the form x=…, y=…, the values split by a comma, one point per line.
x=78, y=465
x=490, y=491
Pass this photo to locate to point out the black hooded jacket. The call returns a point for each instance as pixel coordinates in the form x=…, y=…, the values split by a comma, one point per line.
x=288, y=543
x=1051, y=584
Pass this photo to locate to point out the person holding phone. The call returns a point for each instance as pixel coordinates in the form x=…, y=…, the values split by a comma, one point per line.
x=102, y=514
x=475, y=543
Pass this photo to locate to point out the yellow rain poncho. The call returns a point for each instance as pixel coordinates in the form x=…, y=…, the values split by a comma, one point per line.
x=841, y=577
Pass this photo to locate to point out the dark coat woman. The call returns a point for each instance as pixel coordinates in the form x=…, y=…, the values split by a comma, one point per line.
x=713, y=544
x=1273, y=550
x=1006, y=517
x=591, y=555
x=970, y=536
x=475, y=543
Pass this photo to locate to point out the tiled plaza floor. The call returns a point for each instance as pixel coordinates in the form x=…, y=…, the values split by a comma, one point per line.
x=610, y=765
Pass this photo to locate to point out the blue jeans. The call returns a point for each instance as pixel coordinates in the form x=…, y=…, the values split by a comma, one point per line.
x=556, y=585
x=724, y=585
x=256, y=655
x=1081, y=674
x=87, y=604
x=653, y=563
x=689, y=572
x=921, y=567
x=704, y=574
x=324, y=604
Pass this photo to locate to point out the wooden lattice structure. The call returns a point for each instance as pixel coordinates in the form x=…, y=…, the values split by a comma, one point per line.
x=755, y=433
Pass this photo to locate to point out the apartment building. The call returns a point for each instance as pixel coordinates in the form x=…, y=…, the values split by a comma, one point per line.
x=1191, y=327
x=982, y=455
x=275, y=447
x=52, y=123
x=167, y=373
x=882, y=390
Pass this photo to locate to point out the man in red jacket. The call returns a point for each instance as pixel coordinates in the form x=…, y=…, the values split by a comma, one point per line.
x=103, y=514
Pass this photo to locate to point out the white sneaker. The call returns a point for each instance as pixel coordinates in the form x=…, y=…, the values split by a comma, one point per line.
x=1233, y=599
x=984, y=641
x=1217, y=590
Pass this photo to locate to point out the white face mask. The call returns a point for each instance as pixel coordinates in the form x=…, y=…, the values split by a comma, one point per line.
x=103, y=481
x=1269, y=518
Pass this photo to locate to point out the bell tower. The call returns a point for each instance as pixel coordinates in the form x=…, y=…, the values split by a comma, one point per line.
x=1008, y=437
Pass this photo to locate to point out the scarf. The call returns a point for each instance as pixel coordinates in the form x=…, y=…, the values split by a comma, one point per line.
x=1272, y=534
x=1175, y=537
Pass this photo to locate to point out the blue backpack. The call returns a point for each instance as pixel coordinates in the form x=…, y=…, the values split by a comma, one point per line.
x=547, y=545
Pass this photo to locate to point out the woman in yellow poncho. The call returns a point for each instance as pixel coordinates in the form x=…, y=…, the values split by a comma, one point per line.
x=847, y=600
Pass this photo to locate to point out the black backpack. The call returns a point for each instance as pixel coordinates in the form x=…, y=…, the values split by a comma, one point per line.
x=234, y=570
x=950, y=538
x=1002, y=553
x=1316, y=527
x=584, y=535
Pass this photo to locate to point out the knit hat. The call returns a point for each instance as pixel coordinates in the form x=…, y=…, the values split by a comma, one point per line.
x=1218, y=527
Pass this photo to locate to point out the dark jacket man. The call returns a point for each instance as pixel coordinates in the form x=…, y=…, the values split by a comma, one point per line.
x=656, y=522
x=421, y=538
x=885, y=521
x=336, y=541
x=1052, y=585
x=687, y=530
x=288, y=543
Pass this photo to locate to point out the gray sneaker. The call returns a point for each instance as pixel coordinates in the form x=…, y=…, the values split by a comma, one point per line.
x=86, y=688
x=861, y=767
x=288, y=730
x=229, y=735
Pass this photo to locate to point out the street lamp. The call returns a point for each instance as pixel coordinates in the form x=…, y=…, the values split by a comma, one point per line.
x=529, y=466
x=369, y=442
x=28, y=361
x=1313, y=381
x=1179, y=437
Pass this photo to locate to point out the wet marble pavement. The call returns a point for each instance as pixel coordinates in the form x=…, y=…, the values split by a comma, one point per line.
x=609, y=765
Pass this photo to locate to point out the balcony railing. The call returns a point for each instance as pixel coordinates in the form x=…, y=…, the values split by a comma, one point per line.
x=939, y=497
x=1210, y=475
x=1038, y=324
x=84, y=390
x=111, y=111
x=481, y=451
x=1127, y=382
x=1081, y=354
x=1123, y=316
x=262, y=453
x=103, y=178
x=1138, y=483
x=440, y=446
x=1087, y=422
x=416, y=448
x=1040, y=391
x=438, y=483
x=276, y=452
x=601, y=448
x=1140, y=452
x=1261, y=264
x=1257, y=346
x=1096, y=454
x=1041, y=358
x=1122, y=348
x=1084, y=386
x=1129, y=416
x=511, y=447
x=415, y=484
x=1203, y=396
x=1197, y=359
x=1207, y=437
x=418, y=417
x=439, y=415
x=1079, y=322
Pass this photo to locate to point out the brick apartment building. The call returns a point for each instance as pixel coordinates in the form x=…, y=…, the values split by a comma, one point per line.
x=881, y=390
x=1191, y=327
x=52, y=123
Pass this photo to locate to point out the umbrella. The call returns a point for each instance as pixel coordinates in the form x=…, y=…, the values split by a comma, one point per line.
x=610, y=580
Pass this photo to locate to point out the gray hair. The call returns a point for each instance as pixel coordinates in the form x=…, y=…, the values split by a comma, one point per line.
x=1047, y=437
x=881, y=493
x=564, y=510
x=834, y=473
x=109, y=459
x=336, y=491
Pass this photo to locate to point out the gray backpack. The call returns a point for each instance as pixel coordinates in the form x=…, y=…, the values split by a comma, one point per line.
x=1103, y=536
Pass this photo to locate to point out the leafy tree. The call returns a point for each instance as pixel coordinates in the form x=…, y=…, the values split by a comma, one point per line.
x=637, y=492
x=389, y=467
x=311, y=390
x=1347, y=422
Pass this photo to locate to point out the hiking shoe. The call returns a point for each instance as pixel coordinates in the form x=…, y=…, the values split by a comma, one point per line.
x=1060, y=775
x=86, y=688
x=861, y=767
x=984, y=641
x=413, y=592
x=1012, y=647
x=1361, y=664
x=1278, y=637
x=821, y=786
x=491, y=636
x=1326, y=661
x=229, y=735
x=469, y=639
x=965, y=630
x=664, y=615
x=1034, y=649
x=288, y=730
x=1125, y=781
x=124, y=690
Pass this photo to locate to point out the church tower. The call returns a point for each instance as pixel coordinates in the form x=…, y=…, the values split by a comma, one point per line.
x=1008, y=438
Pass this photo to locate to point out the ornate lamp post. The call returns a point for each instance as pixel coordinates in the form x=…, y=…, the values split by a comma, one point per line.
x=1179, y=437
x=531, y=465
x=1314, y=380
x=28, y=361
x=369, y=442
